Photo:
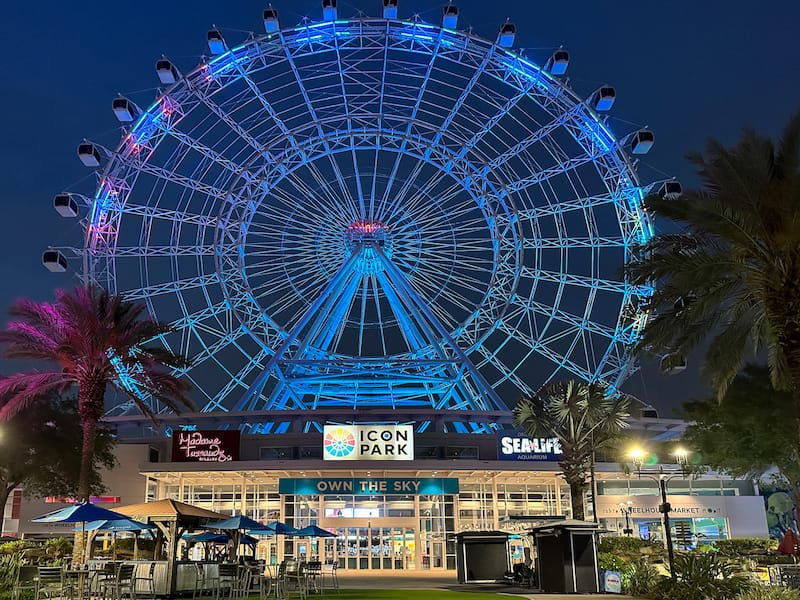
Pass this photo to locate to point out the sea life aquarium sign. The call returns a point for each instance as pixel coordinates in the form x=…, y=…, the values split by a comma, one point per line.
x=515, y=445
x=368, y=442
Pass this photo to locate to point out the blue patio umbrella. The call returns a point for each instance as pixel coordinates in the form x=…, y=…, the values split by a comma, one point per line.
x=314, y=531
x=281, y=528
x=208, y=537
x=79, y=513
x=238, y=522
x=115, y=525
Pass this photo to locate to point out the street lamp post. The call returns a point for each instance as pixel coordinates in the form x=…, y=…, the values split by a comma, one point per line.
x=625, y=509
x=661, y=479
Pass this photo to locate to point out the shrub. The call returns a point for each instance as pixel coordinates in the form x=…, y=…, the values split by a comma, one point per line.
x=611, y=562
x=746, y=546
x=9, y=567
x=764, y=592
x=702, y=577
x=58, y=547
x=15, y=547
x=624, y=545
x=642, y=579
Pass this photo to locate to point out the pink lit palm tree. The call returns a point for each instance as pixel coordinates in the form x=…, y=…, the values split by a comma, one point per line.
x=90, y=337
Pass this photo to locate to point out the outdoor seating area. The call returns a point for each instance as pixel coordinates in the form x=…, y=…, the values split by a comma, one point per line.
x=145, y=580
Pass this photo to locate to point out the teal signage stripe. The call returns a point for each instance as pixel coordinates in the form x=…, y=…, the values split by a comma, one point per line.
x=367, y=486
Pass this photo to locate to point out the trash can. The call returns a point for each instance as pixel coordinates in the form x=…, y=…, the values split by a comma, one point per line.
x=566, y=557
x=481, y=556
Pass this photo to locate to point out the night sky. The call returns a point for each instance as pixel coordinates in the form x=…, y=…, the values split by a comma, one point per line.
x=688, y=70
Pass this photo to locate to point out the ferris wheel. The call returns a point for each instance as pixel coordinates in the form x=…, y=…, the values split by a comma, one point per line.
x=372, y=212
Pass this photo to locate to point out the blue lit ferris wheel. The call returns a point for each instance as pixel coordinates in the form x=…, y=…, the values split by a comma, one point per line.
x=372, y=213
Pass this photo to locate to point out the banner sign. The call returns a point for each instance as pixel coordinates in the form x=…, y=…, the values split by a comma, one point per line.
x=648, y=506
x=515, y=445
x=205, y=446
x=92, y=499
x=368, y=442
x=368, y=486
x=612, y=582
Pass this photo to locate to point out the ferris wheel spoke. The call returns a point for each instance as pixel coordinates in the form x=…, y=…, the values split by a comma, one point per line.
x=603, y=285
x=438, y=175
x=149, y=251
x=211, y=311
x=389, y=202
x=344, y=191
x=565, y=243
x=214, y=156
x=296, y=203
x=175, y=216
x=412, y=205
x=466, y=92
x=171, y=287
x=557, y=358
x=494, y=120
x=379, y=312
x=413, y=115
x=222, y=115
x=564, y=206
x=575, y=322
x=327, y=199
x=237, y=379
x=550, y=172
x=178, y=179
x=209, y=351
x=541, y=134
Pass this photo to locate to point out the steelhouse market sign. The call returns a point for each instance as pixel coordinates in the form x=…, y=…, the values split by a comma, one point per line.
x=515, y=445
x=368, y=442
x=368, y=486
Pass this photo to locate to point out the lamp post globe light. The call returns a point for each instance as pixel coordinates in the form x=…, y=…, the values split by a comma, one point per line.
x=662, y=478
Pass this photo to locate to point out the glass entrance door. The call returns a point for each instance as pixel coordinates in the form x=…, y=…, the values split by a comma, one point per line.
x=374, y=548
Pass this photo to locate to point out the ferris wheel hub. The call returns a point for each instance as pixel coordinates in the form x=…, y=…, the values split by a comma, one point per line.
x=368, y=234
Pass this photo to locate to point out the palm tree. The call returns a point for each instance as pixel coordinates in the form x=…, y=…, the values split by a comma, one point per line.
x=733, y=274
x=584, y=418
x=91, y=338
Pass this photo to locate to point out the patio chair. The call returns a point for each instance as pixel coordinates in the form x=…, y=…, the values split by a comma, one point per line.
x=329, y=570
x=144, y=585
x=51, y=584
x=241, y=585
x=27, y=581
x=120, y=586
x=226, y=580
x=314, y=576
x=271, y=583
x=296, y=578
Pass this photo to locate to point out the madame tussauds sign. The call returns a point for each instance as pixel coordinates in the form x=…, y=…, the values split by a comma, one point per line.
x=368, y=442
x=205, y=446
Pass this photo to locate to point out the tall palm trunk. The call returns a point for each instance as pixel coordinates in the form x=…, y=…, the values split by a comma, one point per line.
x=779, y=311
x=5, y=492
x=575, y=476
x=90, y=408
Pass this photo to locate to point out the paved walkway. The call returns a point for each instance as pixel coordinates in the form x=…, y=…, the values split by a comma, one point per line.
x=426, y=580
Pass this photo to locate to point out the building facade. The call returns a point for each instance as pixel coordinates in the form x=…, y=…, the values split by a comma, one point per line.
x=401, y=512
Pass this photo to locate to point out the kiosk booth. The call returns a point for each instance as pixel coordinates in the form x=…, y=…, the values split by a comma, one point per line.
x=482, y=556
x=566, y=557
